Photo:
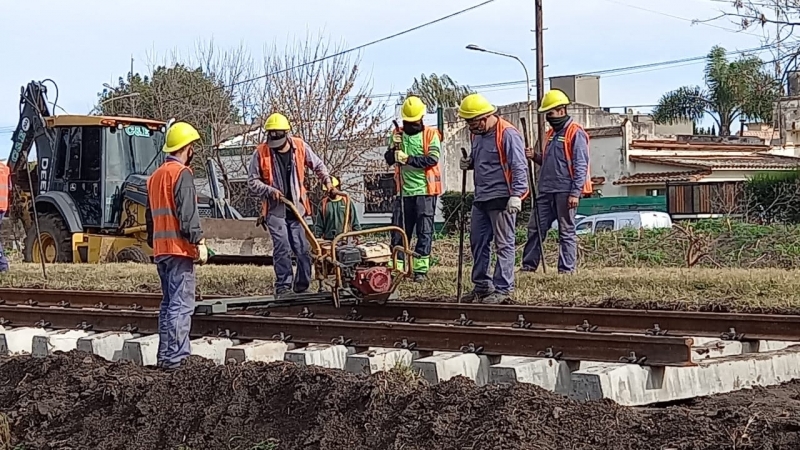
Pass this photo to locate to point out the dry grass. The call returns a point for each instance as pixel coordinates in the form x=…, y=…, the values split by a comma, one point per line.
x=754, y=290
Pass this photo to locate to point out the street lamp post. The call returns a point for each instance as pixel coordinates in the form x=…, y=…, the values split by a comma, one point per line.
x=477, y=48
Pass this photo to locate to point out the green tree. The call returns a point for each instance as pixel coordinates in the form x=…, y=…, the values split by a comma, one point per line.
x=740, y=88
x=435, y=91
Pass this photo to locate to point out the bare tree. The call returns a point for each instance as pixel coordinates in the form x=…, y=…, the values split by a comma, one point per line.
x=320, y=90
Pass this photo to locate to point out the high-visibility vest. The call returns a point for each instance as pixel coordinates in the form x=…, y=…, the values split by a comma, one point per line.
x=569, y=136
x=433, y=176
x=299, y=157
x=500, y=128
x=5, y=175
x=167, y=238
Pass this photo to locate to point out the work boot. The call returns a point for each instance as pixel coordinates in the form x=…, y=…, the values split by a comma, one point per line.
x=495, y=298
x=419, y=277
x=282, y=293
x=474, y=296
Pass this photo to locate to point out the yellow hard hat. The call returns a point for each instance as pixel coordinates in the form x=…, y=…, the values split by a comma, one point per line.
x=277, y=122
x=334, y=182
x=179, y=135
x=553, y=99
x=413, y=109
x=475, y=105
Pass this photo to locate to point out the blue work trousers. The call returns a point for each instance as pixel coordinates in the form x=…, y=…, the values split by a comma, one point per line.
x=552, y=207
x=289, y=237
x=485, y=227
x=419, y=213
x=177, y=305
x=3, y=259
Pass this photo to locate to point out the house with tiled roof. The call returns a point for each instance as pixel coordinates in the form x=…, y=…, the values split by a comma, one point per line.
x=700, y=176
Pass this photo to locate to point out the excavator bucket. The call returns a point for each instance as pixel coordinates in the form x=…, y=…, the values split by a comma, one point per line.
x=232, y=241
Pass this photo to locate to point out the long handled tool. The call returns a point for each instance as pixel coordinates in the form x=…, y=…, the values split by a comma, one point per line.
x=399, y=130
x=532, y=181
x=461, y=230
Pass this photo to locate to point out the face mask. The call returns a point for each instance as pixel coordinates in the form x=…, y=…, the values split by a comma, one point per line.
x=412, y=128
x=557, y=122
x=190, y=157
x=276, y=141
x=478, y=127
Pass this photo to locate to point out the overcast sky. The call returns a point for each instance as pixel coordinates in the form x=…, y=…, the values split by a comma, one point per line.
x=82, y=44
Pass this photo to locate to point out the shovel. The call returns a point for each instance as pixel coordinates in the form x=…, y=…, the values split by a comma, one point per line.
x=532, y=181
x=461, y=230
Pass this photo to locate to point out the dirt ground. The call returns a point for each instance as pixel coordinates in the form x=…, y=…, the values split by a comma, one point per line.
x=75, y=400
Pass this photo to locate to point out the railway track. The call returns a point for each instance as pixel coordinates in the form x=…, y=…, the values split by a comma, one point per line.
x=657, y=338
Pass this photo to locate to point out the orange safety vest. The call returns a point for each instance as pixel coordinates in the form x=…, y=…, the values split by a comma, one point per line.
x=432, y=174
x=569, y=136
x=5, y=175
x=502, y=126
x=265, y=163
x=167, y=239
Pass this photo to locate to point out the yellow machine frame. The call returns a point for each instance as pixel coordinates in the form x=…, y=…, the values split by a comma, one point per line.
x=326, y=267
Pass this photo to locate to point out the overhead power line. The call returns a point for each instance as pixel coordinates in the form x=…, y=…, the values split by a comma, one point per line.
x=343, y=52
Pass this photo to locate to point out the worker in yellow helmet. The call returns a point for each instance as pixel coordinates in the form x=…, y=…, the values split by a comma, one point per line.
x=278, y=170
x=415, y=151
x=174, y=234
x=563, y=180
x=500, y=176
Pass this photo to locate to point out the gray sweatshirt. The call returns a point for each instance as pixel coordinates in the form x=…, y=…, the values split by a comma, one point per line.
x=490, y=181
x=554, y=176
x=258, y=188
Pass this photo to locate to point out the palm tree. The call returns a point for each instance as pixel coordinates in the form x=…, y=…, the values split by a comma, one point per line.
x=741, y=88
x=438, y=91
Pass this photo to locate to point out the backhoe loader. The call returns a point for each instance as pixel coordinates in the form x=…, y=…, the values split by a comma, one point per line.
x=88, y=189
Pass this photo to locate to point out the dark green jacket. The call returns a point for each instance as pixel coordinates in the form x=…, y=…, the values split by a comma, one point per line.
x=329, y=221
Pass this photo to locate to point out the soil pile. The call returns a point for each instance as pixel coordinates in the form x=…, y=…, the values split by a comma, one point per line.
x=78, y=401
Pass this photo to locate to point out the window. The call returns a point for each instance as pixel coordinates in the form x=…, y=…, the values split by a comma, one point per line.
x=379, y=193
x=655, y=192
x=82, y=148
x=585, y=225
x=604, y=225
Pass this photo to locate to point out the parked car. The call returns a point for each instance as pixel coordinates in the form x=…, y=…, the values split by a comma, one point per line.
x=619, y=220
x=554, y=225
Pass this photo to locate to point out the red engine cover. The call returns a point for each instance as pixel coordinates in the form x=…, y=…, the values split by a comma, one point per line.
x=373, y=280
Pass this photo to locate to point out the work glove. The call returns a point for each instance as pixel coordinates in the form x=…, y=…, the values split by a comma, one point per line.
x=396, y=138
x=514, y=205
x=465, y=163
x=400, y=156
x=202, y=252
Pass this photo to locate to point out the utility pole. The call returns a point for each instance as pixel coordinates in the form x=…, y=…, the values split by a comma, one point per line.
x=539, y=75
x=778, y=74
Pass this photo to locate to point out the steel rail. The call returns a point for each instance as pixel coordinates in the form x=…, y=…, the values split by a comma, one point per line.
x=569, y=346
x=596, y=320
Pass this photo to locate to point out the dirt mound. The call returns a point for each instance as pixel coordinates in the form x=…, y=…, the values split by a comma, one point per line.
x=74, y=400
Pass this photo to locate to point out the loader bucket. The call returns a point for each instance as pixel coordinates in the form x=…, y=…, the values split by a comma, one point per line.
x=237, y=242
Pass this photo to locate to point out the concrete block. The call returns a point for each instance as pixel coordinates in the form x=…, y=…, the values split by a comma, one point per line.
x=323, y=355
x=549, y=374
x=107, y=345
x=261, y=351
x=19, y=340
x=445, y=365
x=142, y=351
x=633, y=385
x=377, y=360
x=212, y=348
x=56, y=341
x=716, y=349
x=771, y=346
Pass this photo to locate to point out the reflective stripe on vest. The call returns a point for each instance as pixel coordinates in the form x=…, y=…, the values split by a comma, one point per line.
x=501, y=127
x=265, y=163
x=5, y=174
x=567, y=139
x=433, y=176
x=167, y=239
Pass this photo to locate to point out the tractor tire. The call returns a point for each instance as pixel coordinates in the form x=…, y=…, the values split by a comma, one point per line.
x=56, y=240
x=132, y=255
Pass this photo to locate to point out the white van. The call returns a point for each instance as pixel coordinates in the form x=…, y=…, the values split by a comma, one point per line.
x=627, y=219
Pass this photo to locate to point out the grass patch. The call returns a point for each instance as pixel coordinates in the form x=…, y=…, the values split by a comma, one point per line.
x=698, y=289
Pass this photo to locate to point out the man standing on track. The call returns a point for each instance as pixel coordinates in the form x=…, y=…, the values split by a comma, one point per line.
x=563, y=180
x=174, y=234
x=414, y=152
x=278, y=171
x=501, y=183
